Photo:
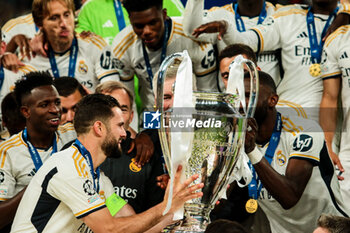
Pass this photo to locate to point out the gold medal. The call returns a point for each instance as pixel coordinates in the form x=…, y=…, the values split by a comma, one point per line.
x=251, y=206
x=315, y=70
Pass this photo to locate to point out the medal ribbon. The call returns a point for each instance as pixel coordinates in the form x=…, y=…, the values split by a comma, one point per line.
x=254, y=188
x=239, y=22
x=119, y=13
x=87, y=156
x=2, y=76
x=73, y=55
x=162, y=56
x=33, y=151
x=316, y=48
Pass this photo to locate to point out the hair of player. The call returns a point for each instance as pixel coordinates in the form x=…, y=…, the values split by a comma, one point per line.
x=225, y=226
x=66, y=86
x=265, y=80
x=238, y=49
x=40, y=9
x=28, y=82
x=334, y=224
x=92, y=108
x=142, y=5
x=110, y=86
x=12, y=118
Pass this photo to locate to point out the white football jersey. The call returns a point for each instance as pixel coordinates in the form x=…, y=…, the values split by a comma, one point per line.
x=337, y=65
x=93, y=65
x=129, y=59
x=303, y=139
x=20, y=25
x=60, y=194
x=267, y=60
x=287, y=30
x=16, y=164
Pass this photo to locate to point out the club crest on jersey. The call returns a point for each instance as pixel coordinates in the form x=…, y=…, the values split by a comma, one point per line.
x=2, y=177
x=303, y=143
x=89, y=188
x=82, y=67
x=133, y=167
x=281, y=158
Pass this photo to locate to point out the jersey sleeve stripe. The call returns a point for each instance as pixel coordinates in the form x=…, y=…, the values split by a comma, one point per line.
x=304, y=156
x=100, y=40
x=294, y=127
x=4, y=149
x=300, y=110
x=108, y=73
x=75, y=157
x=133, y=39
x=289, y=12
x=123, y=42
x=12, y=23
x=339, y=31
x=332, y=75
x=86, y=212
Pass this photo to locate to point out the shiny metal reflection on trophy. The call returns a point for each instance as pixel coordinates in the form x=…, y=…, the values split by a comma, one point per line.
x=202, y=131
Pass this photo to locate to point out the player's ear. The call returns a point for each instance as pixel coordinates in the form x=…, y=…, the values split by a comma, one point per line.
x=25, y=111
x=98, y=128
x=273, y=100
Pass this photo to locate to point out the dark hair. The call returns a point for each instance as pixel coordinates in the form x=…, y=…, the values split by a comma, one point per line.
x=110, y=86
x=236, y=49
x=91, y=108
x=11, y=116
x=334, y=224
x=67, y=86
x=225, y=226
x=28, y=82
x=142, y=5
x=265, y=80
x=40, y=9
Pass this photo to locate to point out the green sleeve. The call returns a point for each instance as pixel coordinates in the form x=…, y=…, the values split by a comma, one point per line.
x=84, y=23
x=174, y=7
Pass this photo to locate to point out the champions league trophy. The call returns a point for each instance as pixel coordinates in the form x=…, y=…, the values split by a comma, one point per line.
x=210, y=151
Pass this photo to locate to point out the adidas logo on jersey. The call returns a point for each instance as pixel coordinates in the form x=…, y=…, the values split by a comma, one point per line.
x=32, y=172
x=302, y=35
x=344, y=55
x=108, y=24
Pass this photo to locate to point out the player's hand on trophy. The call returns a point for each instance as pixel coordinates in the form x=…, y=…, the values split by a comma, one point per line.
x=163, y=180
x=144, y=149
x=21, y=42
x=183, y=191
x=212, y=27
x=250, y=136
x=11, y=62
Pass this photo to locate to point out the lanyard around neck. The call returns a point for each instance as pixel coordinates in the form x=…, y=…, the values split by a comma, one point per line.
x=119, y=14
x=87, y=156
x=73, y=54
x=2, y=76
x=33, y=151
x=162, y=56
x=315, y=47
x=239, y=22
x=254, y=187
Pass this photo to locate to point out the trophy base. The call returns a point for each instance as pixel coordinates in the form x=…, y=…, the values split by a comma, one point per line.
x=195, y=221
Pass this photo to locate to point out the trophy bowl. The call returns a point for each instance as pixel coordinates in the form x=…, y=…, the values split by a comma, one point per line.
x=218, y=130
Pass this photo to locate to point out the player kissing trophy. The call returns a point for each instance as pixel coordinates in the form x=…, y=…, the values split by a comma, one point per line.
x=202, y=131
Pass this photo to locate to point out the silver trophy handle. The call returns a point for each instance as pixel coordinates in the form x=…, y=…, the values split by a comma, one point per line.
x=159, y=104
x=254, y=87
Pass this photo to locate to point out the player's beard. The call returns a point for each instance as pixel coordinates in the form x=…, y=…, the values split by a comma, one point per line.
x=111, y=147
